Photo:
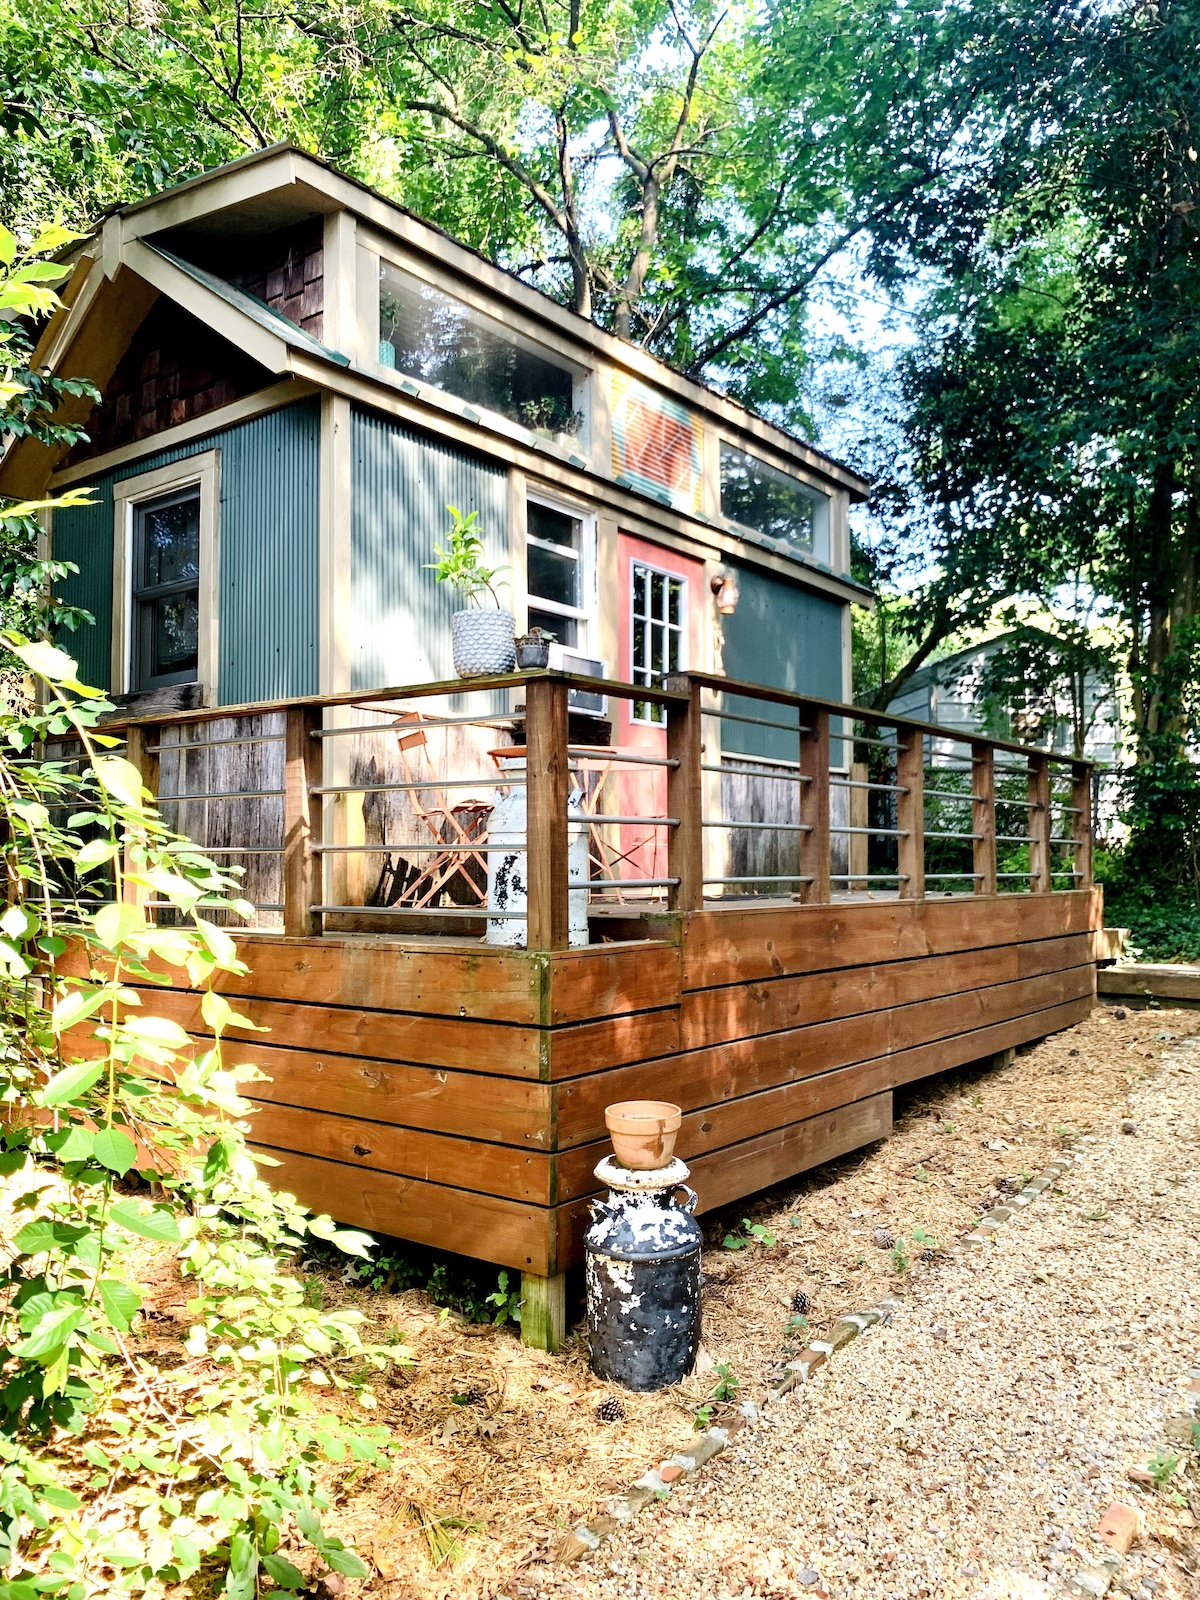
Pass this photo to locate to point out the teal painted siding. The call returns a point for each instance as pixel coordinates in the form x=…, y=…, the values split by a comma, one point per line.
x=786, y=637
x=402, y=484
x=269, y=544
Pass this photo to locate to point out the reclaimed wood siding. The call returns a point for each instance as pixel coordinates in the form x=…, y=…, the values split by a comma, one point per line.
x=454, y=1094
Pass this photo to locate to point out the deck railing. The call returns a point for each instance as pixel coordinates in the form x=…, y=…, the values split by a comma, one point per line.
x=395, y=809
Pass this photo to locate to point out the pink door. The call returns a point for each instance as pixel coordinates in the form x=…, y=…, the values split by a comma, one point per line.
x=660, y=595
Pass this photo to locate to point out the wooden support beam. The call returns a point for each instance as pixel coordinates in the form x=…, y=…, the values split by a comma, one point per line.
x=910, y=813
x=1081, y=799
x=814, y=804
x=685, y=799
x=302, y=813
x=983, y=813
x=544, y=1311
x=546, y=813
x=860, y=817
x=140, y=751
x=1039, y=825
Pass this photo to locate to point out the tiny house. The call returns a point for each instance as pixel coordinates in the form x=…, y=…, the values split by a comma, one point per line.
x=300, y=376
x=737, y=891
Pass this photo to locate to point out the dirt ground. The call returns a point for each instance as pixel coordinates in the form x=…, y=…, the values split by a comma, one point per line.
x=502, y=1447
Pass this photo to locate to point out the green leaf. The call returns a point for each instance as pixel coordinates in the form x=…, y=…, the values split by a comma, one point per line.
x=43, y=1234
x=70, y=1083
x=8, y=246
x=12, y=1161
x=63, y=1499
x=120, y=778
x=45, y=661
x=345, y=1562
x=284, y=1573
x=95, y=853
x=74, y=1006
x=156, y=1030
x=114, y=1149
x=158, y=1223
x=241, y=1579
x=72, y=1144
x=53, y=1329
x=116, y=922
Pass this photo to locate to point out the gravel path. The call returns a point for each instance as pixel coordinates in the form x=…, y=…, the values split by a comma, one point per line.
x=969, y=1448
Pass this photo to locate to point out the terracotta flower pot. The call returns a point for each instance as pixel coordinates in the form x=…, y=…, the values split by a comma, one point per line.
x=643, y=1132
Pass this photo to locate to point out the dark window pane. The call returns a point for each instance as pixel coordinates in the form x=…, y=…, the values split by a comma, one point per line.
x=759, y=495
x=676, y=597
x=550, y=576
x=556, y=527
x=640, y=577
x=174, y=634
x=672, y=650
x=658, y=608
x=442, y=341
x=639, y=645
x=656, y=651
x=171, y=543
x=564, y=629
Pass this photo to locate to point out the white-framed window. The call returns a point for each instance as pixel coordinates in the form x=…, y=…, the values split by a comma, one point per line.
x=560, y=571
x=658, y=630
x=773, y=503
x=433, y=337
x=165, y=577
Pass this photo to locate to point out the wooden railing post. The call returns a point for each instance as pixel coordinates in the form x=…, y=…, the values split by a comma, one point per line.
x=141, y=751
x=302, y=813
x=1081, y=799
x=1040, y=821
x=910, y=813
x=814, y=804
x=983, y=813
x=546, y=813
x=685, y=798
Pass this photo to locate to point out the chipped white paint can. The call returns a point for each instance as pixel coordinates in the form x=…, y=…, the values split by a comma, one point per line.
x=642, y=1255
x=508, y=879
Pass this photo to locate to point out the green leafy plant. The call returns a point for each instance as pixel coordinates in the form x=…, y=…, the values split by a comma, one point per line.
x=702, y=1418
x=920, y=1175
x=461, y=564
x=506, y=1301
x=899, y=1257
x=1162, y=1468
x=727, y=1386
x=119, y=1132
x=753, y=1233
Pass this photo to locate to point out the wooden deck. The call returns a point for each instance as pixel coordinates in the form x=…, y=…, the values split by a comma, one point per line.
x=454, y=1094
x=791, y=910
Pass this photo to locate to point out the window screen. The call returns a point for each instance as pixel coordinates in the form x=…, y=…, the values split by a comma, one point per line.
x=773, y=503
x=166, y=590
x=429, y=335
x=658, y=599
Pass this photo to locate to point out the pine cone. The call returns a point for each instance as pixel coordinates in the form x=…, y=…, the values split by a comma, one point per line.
x=882, y=1238
x=611, y=1410
x=801, y=1303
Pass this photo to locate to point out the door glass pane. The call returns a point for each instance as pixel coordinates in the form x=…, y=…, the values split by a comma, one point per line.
x=171, y=543
x=556, y=527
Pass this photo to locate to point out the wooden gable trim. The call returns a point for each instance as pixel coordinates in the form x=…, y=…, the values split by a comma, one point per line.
x=284, y=166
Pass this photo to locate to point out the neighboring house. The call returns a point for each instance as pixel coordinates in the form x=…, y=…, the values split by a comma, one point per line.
x=950, y=692
x=298, y=376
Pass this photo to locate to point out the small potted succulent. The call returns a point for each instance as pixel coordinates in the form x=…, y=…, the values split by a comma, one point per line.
x=533, y=648
x=481, y=636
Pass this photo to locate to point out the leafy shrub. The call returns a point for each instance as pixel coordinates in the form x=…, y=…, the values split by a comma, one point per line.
x=123, y=1468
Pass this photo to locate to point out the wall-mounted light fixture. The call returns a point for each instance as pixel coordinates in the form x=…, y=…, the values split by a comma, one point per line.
x=724, y=586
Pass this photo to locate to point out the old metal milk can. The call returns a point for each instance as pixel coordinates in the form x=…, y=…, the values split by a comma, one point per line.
x=643, y=1277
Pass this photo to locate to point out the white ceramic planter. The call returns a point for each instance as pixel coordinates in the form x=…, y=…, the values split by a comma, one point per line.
x=483, y=642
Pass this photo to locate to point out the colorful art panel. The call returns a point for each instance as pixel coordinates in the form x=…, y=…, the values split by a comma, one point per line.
x=656, y=443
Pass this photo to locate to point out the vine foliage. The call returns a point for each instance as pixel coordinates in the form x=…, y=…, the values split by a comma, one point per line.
x=130, y=1460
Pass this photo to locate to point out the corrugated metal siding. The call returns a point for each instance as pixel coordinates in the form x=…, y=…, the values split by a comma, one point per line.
x=269, y=543
x=402, y=484
x=784, y=636
x=270, y=556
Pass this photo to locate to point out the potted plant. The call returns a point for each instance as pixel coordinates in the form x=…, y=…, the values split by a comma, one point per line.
x=533, y=648
x=481, y=636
